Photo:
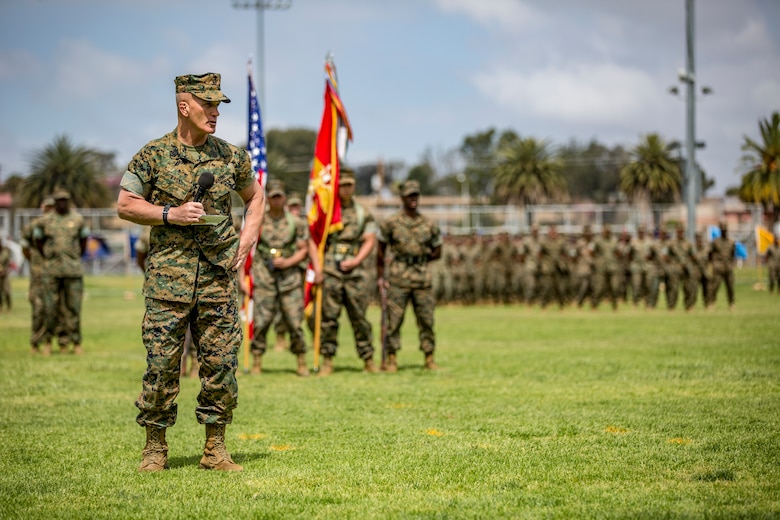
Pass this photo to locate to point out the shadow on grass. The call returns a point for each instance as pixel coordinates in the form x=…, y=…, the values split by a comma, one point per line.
x=241, y=457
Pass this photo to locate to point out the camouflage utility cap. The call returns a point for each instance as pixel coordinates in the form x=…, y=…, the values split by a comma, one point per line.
x=275, y=187
x=204, y=86
x=346, y=176
x=294, y=199
x=60, y=194
x=410, y=188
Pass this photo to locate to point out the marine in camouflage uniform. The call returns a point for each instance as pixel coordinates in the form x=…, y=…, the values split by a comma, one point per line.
x=676, y=265
x=583, y=270
x=605, y=269
x=696, y=272
x=722, y=254
x=344, y=280
x=772, y=260
x=639, y=266
x=531, y=251
x=35, y=292
x=278, y=286
x=61, y=238
x=414, y=241
x=190, y=280
x=551, y=253
x=5, y=271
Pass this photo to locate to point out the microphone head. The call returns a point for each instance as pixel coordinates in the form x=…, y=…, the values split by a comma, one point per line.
x=206, y=180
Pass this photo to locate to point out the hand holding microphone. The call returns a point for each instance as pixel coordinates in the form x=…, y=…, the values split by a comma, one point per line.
x=205, y=182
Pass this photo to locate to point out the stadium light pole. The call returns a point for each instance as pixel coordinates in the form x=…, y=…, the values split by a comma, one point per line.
x=689, y=78
x=261, y=6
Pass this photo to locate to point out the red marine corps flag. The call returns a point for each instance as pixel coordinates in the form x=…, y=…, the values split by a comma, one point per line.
x=322, y=199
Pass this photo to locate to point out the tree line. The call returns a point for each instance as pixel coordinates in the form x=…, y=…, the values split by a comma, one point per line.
x=492, y=166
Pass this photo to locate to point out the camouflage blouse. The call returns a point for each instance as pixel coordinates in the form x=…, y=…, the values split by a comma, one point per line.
x=166, y=171
x=410, y=241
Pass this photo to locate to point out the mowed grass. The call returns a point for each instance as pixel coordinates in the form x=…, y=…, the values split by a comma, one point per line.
x=534, y=414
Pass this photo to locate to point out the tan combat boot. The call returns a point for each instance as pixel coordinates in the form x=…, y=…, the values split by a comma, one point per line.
x=303, y=370
x=327, y=366
x=257, y=364
x=47, y=348
x=156, y=451
x=35, y=350
x=370, y=367
x=215, y=455
x=390, y=364
x=430, y=364
x=78, y=350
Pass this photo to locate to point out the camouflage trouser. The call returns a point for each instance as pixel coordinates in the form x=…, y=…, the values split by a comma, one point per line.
x=551, y=288
x=605, y=283
x=639, y=286
x=423, y=305
x=673, y=280
x=653, y=287
x=352, y=293
x=62, y=309
x=270, y=302
x=5, y=291
x=216, y=336
x=721, y=276
x=774, y=277
x=693, y=280
x=35, y=295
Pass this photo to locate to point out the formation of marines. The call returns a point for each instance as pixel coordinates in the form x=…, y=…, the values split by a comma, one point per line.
x=545, y=268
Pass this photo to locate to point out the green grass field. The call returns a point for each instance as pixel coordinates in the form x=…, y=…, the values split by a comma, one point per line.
x=534, y=414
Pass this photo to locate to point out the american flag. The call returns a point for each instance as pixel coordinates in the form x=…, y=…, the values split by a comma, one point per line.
x=256, y=147
x=256, y=140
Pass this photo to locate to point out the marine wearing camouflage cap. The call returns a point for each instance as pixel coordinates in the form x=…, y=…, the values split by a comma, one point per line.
x=410, y=188
x=276, y=187
x=204, y=86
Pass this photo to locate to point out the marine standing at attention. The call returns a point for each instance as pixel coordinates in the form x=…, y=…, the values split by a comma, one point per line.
x=414, y=241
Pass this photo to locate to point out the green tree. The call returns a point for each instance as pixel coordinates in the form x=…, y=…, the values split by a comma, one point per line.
x=761, y=183
x=290, y=153
x=653, y=175
x=77, y=169
x=479, y=153
x=592, y=171
x=528, y=172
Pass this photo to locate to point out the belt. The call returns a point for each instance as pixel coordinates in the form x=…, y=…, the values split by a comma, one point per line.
x=342, y=250
x=412, y=259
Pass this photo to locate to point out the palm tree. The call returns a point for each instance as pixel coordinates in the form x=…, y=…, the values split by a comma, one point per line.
x=761, y=184
x=60, y=165
x=653, y=175
x=528, y=172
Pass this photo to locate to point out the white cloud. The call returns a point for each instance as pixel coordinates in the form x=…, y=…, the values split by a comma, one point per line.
x=84, y=71
x=601, y=93
x=506, y=13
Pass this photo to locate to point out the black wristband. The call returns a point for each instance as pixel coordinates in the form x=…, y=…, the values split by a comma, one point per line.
x=165, y=214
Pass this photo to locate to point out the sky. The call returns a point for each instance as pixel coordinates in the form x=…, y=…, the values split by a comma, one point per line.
x=416, y=76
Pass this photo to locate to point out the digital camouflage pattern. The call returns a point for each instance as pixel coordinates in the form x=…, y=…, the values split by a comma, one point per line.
x=722, y=254
x=61, y=235
x=35, y=292
x=348, y=290
x=279, y=289
x=166, y=171
x=62, y=286
x=188, y=280
x=410, y=241
x=163, y=332
x=204, y=86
